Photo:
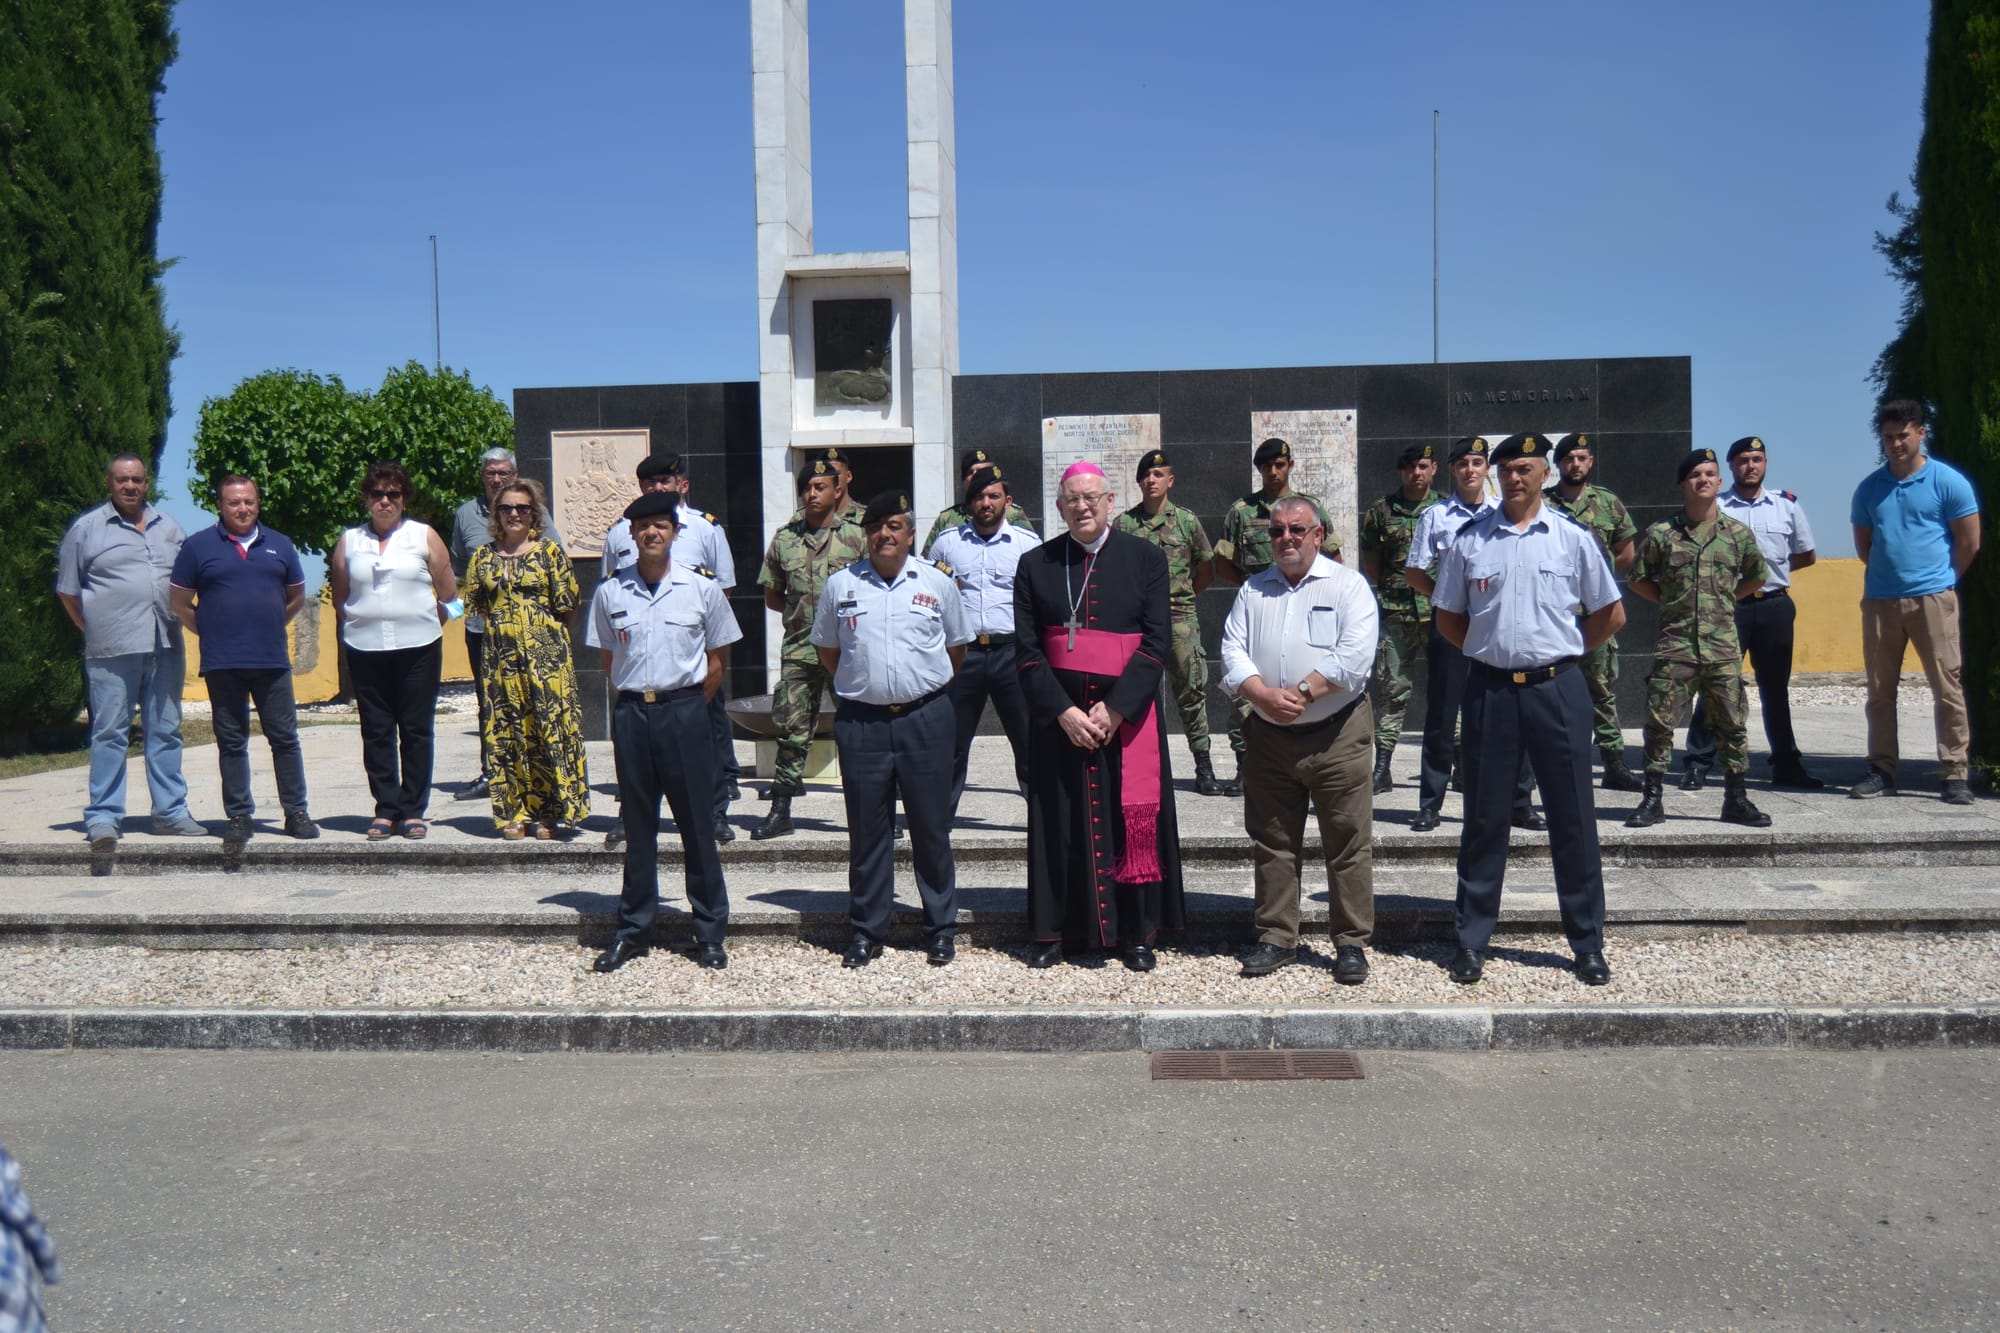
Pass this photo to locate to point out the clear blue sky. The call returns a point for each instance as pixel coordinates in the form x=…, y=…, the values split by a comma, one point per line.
x=1143, y=184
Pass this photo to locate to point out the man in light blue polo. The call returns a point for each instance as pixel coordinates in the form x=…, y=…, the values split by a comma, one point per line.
x=111, y=577
x=1916, y=528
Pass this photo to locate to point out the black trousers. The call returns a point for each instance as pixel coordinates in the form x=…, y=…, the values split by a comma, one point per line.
x=1549, y=722
x=396, y=693
x=1443, y=698
x=664, y=749
x=231, y=691
x=475, y=653
x=1764, y=628
x=882, y=754
x=988, y=672
x=727, y=770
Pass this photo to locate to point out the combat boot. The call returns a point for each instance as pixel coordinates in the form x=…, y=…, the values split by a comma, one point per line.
x=1383, y=782
x=1617, y=777
x=1232, y=786
x=1204, y=776
x=778, y=823
x=1736, y=806
x=1652, y=810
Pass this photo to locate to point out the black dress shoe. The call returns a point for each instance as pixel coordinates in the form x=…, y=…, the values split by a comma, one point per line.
x=1426, y=820
x=1139, y=958
x=621, y=952
x=1350, y=964
x=1591, y=969
x=478, y=789
x=1693, y=776
x=1533, y=820
x=1793, y=775
x=941, y=950
x=1267, y=958
x=724, y=833
x=1045, y=955
x=712, y=956
x=861, y=953
x=1467, y=966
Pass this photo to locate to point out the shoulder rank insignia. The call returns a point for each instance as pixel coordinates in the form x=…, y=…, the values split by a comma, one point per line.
x=711, y=518
x=942, y=565
x=704, y=571
x=1789, y=496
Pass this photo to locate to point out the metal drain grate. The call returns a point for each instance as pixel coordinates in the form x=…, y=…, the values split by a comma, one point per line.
x=1189, y=1066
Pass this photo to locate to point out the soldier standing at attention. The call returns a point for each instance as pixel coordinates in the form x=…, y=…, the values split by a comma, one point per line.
x=1387, y=530
x=1190, y=569
x=957, y=515
x=1698, y=565
x=803, y=554
x=1604, y=514
x=1245, y=549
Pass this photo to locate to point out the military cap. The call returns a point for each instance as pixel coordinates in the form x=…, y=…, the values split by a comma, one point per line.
x=1744, y=446
x=658, y=465
x=1525, y=445
x=1271, y=450
x=818, y=467
x=973, y=458
x=1416, y=453
x=1695, y=458
x=1149, y=460
x=886, y=506
x=1571, y=443
x=986, y=475
x=829, y=455
x=653, y=506
x=1472, y=446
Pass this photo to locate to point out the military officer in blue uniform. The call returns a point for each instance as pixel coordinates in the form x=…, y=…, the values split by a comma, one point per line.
x=665, y=630
x=890, y=631
x=1509, y=593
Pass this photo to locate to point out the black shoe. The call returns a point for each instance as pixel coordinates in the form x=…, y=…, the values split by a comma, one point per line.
x=940, y=951
x=1138, y=958
x=1652, y=809
x=1956, y=791
x=724, y=833
x=1591, y=969
x=615, y=839
x=1530, y=819
x=1736, y=805
x=1877, y=783
x=1267, y=958
x=1383, y=782
x=239, y=830
x=1426, y=820
x=1045, y=955
x=1233, y=786
x=778, y=823
x=1467, y=967
x=299, y=824
x=1694, y=776
x=478, y=789
x=1204, y=776
x=861, y=952
x=621, y=952
x=711, y=956
x=1350, y=964
x=1617, y=777
x=734, y=792
x=1792, y=773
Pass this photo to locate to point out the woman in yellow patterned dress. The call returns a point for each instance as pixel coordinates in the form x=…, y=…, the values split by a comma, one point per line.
x=523, y=585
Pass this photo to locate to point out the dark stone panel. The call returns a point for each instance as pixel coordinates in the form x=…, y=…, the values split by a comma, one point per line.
x=705, y=419
x=1498, y=398
x=997, y=412
x=1650, y=393
x=659, y=409
x=1299, y=388
x=1630, y=688
x=1375, y=472
x=1639, y=468
x=1204, y=405
x=1208, y=478
x=594, y=698
x=1099, y=393
x=746, y=655
x=1642, y=626
x=708, y=482
x=1401, y=401
x=539, y=411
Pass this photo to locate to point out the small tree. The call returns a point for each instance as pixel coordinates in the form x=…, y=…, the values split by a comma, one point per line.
x=436, y=424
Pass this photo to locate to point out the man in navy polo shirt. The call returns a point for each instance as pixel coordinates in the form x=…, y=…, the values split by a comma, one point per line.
x=236, y=586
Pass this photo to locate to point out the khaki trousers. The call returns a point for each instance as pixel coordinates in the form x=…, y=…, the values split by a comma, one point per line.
x=1888, y=625
x=1332, y=767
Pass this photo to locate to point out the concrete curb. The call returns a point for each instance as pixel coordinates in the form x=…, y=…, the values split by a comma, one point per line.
x=1066, y=1031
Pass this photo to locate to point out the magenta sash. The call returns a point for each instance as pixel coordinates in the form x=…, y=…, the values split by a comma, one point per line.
x=1101, y=653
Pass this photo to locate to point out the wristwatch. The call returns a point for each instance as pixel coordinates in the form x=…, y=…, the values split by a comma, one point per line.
x=1306, y=691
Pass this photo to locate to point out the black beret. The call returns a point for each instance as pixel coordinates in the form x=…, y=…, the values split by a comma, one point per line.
x=652, y=506
x=986, y=475
x=830, y=454
x=885, y=506
x=1573, y=442
x=1271, y=449
x=1525, y=445
x=1744, y=446
x=1470, y=446
x=1415, y=453
x=1694, y=459
x=818, y=467
x=1149, y=460
x=973, y=458
x=658, y=465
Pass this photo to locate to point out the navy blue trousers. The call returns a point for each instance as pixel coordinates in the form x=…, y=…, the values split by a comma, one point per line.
x=727, y=770
x=1444, y=693
x=666, y=749
x=883, y=754
x=1549, y=723
x=988, y=673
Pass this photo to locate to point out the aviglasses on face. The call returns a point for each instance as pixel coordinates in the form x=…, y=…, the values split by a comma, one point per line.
x=515, y=509
x=1294, y=530
x=385, y=495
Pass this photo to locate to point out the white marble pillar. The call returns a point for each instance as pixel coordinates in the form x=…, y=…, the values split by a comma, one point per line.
x=933, y=187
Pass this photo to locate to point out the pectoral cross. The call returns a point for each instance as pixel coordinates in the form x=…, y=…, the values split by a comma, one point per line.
x=1072, y=624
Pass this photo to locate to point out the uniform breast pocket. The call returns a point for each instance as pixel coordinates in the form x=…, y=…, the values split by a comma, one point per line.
x=929, y=621
x=1322, y=627
x=1555, y=586
x=1484, y=580
x=683, y=634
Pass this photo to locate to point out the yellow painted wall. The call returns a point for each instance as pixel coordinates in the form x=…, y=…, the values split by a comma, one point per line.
x=315, y=662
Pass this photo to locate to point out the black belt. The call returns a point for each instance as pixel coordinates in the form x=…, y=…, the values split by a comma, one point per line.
x=993, y=640
x=1529, y=675
x=895, y=710
x=1766, y=596
x=657, y=696
x=1306, y=729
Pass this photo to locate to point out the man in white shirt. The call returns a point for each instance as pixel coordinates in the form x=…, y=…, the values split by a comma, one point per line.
x=1298, y=647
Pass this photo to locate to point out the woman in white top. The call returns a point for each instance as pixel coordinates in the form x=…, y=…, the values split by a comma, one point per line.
x=392, y=592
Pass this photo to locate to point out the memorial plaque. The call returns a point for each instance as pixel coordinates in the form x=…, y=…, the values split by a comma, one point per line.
x=1325, y=463
x=592, y=472
x=852, y=342
x=1114, y=443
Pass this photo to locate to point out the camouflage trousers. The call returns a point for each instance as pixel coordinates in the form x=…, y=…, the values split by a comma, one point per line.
x=1401, y=647
x=795, y=712
x=1719, y=685
x=1187, y=671
x=1600, y=673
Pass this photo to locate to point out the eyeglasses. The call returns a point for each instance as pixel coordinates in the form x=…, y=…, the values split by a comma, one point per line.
x=499, y=473
x=515, y=509
x=1080, y=501
x=385, y=495
x=1293, y=530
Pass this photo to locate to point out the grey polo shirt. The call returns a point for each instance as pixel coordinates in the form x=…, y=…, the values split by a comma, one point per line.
x=120, y=574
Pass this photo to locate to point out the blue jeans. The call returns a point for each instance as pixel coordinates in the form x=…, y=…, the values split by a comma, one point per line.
x=230, y=693
x=152, y=683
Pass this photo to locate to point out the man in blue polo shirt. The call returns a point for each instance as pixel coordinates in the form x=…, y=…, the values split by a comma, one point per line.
x=236, y=586
x=1916, y=529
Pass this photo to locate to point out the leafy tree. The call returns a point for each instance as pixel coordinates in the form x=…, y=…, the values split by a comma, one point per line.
x=1899, y=371
x=436, y=424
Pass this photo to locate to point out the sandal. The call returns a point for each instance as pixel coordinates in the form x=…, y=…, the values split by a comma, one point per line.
x=544, y=832
x=514, y=832
x=381, y=830
x=415, y=829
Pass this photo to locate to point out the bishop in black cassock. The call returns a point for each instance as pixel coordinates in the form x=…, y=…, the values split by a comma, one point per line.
x=1092, y=630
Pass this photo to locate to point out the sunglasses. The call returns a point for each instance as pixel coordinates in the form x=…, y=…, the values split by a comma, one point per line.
x=1295, y=530
x=385, y=495
x=515, y=509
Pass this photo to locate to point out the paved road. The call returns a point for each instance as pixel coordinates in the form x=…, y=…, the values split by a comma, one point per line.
x=1627, y=1190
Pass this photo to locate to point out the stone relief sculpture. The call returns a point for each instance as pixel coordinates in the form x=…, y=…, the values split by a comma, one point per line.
x=592, y=471
x=851, y=349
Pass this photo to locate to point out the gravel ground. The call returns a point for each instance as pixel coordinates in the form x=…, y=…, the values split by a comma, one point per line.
x=1716, y=969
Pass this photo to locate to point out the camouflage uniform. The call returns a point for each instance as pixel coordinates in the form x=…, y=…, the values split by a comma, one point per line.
x=953, y=516
x=1184, y=542
x=797, y=566
x=1604, y=514
x=1696, y=567
x=1386, y=531
x=1246, y=544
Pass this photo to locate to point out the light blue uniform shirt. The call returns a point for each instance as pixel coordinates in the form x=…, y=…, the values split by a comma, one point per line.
x=1436, y=527
x=893, y=637
x=659, y=639
x=697, y=541
x=1523, y=591
x=1779, y=524
x=983, y=568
